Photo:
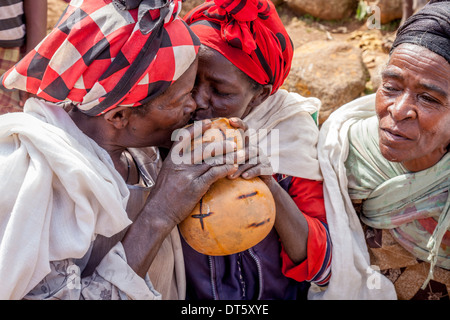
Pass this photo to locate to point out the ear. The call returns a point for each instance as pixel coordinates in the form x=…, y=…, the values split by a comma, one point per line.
x=118, y=117
x=261, y=95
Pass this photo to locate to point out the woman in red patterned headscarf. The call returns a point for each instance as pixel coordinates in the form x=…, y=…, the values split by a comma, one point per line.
x=248, y=33
x=245, y=56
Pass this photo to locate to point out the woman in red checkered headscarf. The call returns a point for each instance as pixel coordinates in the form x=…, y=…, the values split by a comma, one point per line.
x=245, y=56
x=98, y=63
x=87, y=208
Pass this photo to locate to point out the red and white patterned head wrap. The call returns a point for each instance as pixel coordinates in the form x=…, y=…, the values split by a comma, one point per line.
x=249, y=33
x=105, y=53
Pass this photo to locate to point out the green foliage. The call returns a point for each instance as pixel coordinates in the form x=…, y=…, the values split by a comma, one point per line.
x=391, y=26
x=361, y=11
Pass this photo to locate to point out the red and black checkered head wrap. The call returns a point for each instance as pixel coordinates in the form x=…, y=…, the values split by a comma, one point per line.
x=105, y=53
x=249, y=33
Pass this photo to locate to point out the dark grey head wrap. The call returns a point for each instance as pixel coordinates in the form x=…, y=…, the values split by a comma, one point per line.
x=429, y=28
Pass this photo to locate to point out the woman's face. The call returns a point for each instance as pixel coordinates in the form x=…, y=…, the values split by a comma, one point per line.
x=169, y=111
x=413, y=107
x=221, y=89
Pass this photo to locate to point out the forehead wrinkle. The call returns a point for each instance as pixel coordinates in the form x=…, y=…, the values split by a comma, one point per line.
x=217, y=68
x=419, y=57
x=436, y=79
x=391, y=73
x=220, y=78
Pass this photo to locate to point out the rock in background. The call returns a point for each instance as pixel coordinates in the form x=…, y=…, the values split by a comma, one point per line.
x=389, y=9
x=188, y=5
x=333, y=71
x=374, y=51
x=324, y=9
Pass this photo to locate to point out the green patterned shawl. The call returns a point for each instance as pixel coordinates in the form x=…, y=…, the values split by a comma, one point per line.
x=414, y=205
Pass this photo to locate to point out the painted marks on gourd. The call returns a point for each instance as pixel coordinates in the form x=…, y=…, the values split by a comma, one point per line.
x=256, y=225
x=202, y=215
x=248, y=195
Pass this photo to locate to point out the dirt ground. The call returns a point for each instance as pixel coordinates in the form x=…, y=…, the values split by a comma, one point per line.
x=374, y=43
x=303, y=29
x=54, y=10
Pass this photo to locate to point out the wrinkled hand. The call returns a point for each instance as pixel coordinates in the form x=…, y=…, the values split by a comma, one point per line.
x=238, y=124
x=256, y=163
x=180, y=186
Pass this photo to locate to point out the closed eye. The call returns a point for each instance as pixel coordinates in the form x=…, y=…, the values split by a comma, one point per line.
x=220, y=93
x=429, y=99
x=390, y=88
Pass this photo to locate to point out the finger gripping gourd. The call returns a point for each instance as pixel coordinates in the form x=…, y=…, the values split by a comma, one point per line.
x=233, y=216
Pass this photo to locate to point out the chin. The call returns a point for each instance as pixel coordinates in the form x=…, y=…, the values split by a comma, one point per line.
x=191, y=121
x=390, y=154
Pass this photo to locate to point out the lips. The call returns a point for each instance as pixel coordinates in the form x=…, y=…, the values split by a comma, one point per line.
x=199, y=115
x=395, y=135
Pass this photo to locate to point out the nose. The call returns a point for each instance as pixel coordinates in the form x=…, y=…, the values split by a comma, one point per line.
x=403, y=108
x=190, y=105
x=201, y=96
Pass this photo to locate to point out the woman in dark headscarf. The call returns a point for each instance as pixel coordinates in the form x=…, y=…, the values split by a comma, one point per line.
x=398, y=171
x=245, y=56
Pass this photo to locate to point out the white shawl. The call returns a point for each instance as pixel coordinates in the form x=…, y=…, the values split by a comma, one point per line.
x=58, y=190
x=285, y=124
x=352, y=276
